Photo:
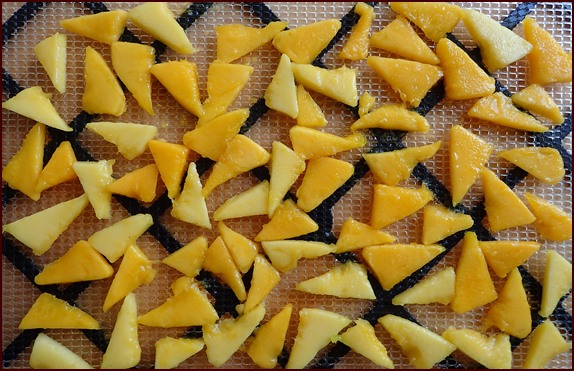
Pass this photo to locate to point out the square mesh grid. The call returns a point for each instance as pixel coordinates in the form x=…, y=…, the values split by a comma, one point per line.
x=19, y=265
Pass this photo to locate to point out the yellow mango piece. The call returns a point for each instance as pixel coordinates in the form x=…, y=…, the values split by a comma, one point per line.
x=310, y=114
x=468, y=155
x=36, y=105
x=288, y=221
x=269, y=338
x=253, y=201
x=435, y=288
x=159, y=21
x=285, y=167
x=473, y=285
x=47, y=353
x=180, y=80
x=440, y=222
x=391, y=204
x=236, y=40
x=393, y=263
x=463, y=78
x=102, y=91
x=190, y=206
x=552, y=223
x=241, y=155
x=171, y=160
x=393, y=167
x=132, y=63
x=170, y=352
x=357, y=45
x=281, y=93
x=219, y=262
x=547, y=62
x=557, y=282
x=323, y=177
x=400, y=38
x=95, y=178
x=544, y=163
x=311, y=143
x=355, y=235
x=24, y=168
x=362, y=339
x=366, y=103
x=188, y=259
x=434, y=19
x=59, y=168
x=242, y=249
x=284, y=254
x=265, y=278
x=303, y=44
x=546, y=342
x=105, y=27
x=140, y=184
x=47, y=224
x=392, y=117
x=411, y=79
x=503, y=256
x=339, y=84
x=50, y=312
x=511, y=312
x=87, y=263
x=52, y=55
x=131, y=139
x=535, y=99
x=490, y=351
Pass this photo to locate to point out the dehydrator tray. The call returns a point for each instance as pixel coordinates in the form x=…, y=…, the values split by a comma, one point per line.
x=25, y=24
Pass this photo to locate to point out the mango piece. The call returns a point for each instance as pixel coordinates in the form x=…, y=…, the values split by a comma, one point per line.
x=546, y=343
x=557, y=282
x=490, y=351
x=391, y=204
x=503, y=256
x=544, y=163
x=284, y=169
x=190, y=206
x=435, y=288
x=440, y=222
x=52, y=55
x=357, y=45
x=236, y=40
x=105, y=27
x=47, y=353
x=140, y=184
x=281, y=93
x=124, y=350
x=552, y=223
x=219, y=262
x=310, y=114
x=284, y=254
x=366, y=103
x=535, y=99
x=131, y=139
x=288, y=221
x=188, y=259
x=242, y=249
x=362, y=339
x=269, y=338
x=339, y=84
x=171, y=160
x=311, y=143
x=355, y=235
x=392, y=117
x=253, y=201
x=170, y=352
x=59, y=168
x=434, y=19
x=265, y=278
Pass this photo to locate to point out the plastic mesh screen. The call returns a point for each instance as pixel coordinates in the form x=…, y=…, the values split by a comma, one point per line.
x=25, y=24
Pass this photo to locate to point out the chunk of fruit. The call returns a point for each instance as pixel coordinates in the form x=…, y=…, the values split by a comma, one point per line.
x=362, y=339
x=253, y=201
x=284, y=254
x=188, y=259
x=536, y=100
x=391, y=204
x=357, y=45
x=170, y=352
x=503, y=256
x=310, y=114
x=557, y=282
x=131, y=139
x=269, y=339
x=552, y=223
x=52, y=55
x=440, y=222
x=392, y=117
x=102, y=91
x=339, y=84
x=281, y=93
x=190, y=206
x=366, y=103
x=236, y=40
x=47, y=353
x=546, y=343
x=59, y=168
x=355, y=235
x=311, y=143
x=140, y=184
x=284, y=169
x=265, y=278
x=434, y=19
x=288, y=221
x=490, y=351
x=242, y=249
x=544, y=163
x=105, y=27
x=435, y=288
x=219, y=262
x=171, y=160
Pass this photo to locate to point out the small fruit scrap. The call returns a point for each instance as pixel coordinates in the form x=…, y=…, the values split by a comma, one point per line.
x=171, y=160
x=253, y=201
x=552, y=223
x=490, y=351
x=171, y=352
x=236, y=40
x=435, y=288
x=544, y=163
x=47, y=353
x=392, y=117
x=355, y=235
x=536, y=100
x=440, y=222
x=503, y=256
x=434, y=19
x=357, y=45
x=288, y=221
x=269, y=339
x=140, y=184
x=189, y=258
x=190, y=206
x=557, y=282
x=546, y=342
x=105, y=27
x=284, y=254
x=131, y=139
x=392, y=203
x=311, y=143
x=218, y=261
x=362, y=339
x=339, y=84
x=281, y=93
x=52, y=55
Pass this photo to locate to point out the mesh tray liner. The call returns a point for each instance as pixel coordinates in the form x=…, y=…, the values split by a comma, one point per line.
x=25, y=24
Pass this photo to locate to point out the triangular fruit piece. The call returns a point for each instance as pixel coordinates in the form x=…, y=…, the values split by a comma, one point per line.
x=236, y=40
x=124, y=350
x=434, y=19
x=269, y=339
x=339, y=84
x=503, y=256
x=311, y=143
x=158, y=20
x=546, y=342
x=113, y=241
x=47, y=224
x=131, y=139
x=547, y=62
x=284, y=168
x=423, y=347
x=511, y=311
x=265, y=278
x=391, y=203
x=303, y=44
x=499, y=45
x=241, y=155
x=315, y=330
x=102, y=92
x=224, y=338
x=288, y=221
x=171, y=352
x=50, y=312
x=36, y=105
x=440, y=222
x=87, y=263
x=490, y=351
x=400, y=38
x=211, y=139
x=557, y=282
x=435, y=288
x=284, y=254
x=180, y=79
x=310, y=114
x=362, y=339
x=348, y=280
x=47, y=353
x=218, y=261
x=190, y=206
x=411, y=79
x=105, y=27
x=189, y=306
x=281, y=93
x=253, y=201
x=132, y=63
x=357, y=45
x=242, y=249
x=51, y=52
x=536, y=100
x=392, y=117
x=356, y=235
x=498, y=108
x=544, y=163
x=23, y=170
x=140, y=184
x=393, y=167
x=393, y=263
x=135, y=270
x=188, y=259
x=552, y=223
x=171, y=161
x=463, y=78
x=59, y=168
x=473, y=285
x=468, y=155
x=323, y=177
x=504, y=209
